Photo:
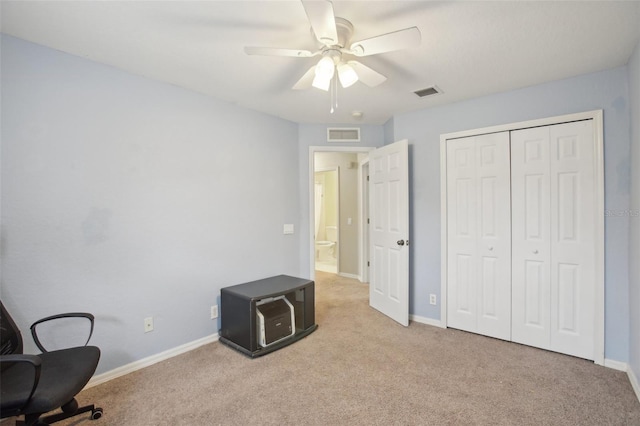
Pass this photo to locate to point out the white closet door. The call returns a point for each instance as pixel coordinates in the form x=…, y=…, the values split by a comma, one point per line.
x=494, y=235
x=531, y=228
x=573, y=218
x=461, y=234
x=478, y=229
x=553, y=223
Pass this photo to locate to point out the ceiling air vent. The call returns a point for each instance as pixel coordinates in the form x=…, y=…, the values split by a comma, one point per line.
x=342, y=134
x=433, y=90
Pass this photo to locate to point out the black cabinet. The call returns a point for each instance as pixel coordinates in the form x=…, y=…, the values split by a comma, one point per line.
x=240, y=326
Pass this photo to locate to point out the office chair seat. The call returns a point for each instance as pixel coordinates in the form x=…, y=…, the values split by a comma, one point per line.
x=34, y=385
x=63, y=375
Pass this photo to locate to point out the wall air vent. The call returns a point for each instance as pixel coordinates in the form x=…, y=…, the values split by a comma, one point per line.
x=429, y=91
x=343, y=134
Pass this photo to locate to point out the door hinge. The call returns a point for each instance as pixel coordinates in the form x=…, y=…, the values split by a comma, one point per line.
x=367, y=178
x=368, y=264
x=368, y=221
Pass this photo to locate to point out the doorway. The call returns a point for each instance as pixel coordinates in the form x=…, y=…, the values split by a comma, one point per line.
x=326, y=219
x=351, y=215
x=388, y=227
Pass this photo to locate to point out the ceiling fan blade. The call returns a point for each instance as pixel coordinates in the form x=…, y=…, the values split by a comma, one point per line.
x=306, y=80
x=275, y=51
x=366, y=75
x=322, y=20
x=397, y=40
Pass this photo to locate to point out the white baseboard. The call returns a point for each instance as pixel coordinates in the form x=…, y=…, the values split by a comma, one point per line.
x=635, y=384
x=623, y=366
x=346, y=275
x=153, y=359
x=425, y=320
x=616, y=365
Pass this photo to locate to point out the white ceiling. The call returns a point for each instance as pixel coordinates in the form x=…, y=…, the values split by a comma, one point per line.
x=468, y=49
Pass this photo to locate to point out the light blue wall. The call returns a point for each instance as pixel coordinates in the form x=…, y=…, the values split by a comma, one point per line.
x=634, y=246
x=605, y=90
x=131, y=198
x=316, y=135
x=388, y=132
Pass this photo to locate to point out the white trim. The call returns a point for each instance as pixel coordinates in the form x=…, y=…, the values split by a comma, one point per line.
x=598, y=130
x=312, y=151
x=623, y=366
x=443, y=231
x=547, y=121
x=427, y=321
x=635, y=383
x=596, y=116
x=363, y=214
x=347, y=275
x=153, y=359
x=615, y=365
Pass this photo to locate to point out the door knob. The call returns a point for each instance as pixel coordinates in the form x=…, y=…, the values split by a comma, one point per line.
x=535, y=252
x=490, y=248
x=400, y=242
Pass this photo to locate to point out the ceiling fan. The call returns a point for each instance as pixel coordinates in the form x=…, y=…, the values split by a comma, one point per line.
x=334, y=35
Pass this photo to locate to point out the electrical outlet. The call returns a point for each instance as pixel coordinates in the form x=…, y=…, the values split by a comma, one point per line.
x=288, y=228
x=214, y=311
x=148, y=324
x=432, y=299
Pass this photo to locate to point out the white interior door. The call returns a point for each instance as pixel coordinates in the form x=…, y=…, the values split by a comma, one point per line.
x=573, y=242
x=554, y=248
x=531, y=227
x=462, y=234
x=389, y=231
x=479, y=235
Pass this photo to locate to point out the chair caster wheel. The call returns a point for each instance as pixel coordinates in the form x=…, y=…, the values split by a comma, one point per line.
x=96, y=413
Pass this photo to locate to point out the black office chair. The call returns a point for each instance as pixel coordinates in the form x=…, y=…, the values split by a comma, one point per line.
x=33, y=385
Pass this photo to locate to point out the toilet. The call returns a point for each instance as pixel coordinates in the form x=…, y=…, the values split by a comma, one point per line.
x=326, y=249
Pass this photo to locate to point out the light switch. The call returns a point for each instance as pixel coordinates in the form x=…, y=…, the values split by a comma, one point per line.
x=288, y=228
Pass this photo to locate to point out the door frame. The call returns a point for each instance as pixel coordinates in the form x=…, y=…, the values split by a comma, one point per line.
x=363, y=208
x=597, y=117
x=311, y=181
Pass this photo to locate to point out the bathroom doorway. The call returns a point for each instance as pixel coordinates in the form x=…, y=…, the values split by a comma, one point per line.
x=351, y=211
x=326, y=212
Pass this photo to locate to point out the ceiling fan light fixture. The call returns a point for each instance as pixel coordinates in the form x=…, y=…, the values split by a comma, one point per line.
x=319, y=82
x=346, y=74
x=325, y=68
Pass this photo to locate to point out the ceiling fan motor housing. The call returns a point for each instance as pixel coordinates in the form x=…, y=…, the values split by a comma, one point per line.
x=344, y=29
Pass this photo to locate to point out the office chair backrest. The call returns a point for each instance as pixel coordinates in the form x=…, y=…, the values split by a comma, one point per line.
x=10, y=337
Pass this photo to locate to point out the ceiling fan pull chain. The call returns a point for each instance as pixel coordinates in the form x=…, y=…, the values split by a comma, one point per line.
x=335, y=84
x=331, y=94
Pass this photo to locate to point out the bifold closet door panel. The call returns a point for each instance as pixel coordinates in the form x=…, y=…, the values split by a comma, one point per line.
x=478, y=234
x=531, y=240
x=573, y=242
x=553, y=237
x=462, y=187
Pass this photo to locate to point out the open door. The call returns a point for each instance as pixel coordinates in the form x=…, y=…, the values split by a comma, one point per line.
x=389, y=230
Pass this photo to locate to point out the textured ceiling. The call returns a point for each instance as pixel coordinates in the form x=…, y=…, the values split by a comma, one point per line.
x=468, y=49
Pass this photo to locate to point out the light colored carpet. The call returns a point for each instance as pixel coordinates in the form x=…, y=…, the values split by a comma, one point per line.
x=361, y=368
